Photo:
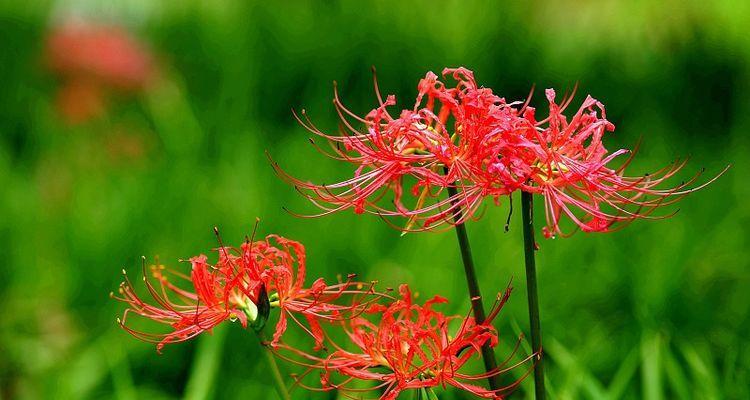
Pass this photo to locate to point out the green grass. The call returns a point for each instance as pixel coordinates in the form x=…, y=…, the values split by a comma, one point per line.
x=656, y=311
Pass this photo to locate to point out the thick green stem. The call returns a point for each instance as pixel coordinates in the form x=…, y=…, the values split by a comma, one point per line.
x=273, y=367
x=536, y=332
x=490, y=363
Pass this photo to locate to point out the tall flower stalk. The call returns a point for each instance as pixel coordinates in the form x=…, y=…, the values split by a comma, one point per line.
x=278, y=379
x=529, y=245
x=475, y=294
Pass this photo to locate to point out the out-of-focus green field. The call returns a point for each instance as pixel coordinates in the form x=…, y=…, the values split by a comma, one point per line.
x=656, y=311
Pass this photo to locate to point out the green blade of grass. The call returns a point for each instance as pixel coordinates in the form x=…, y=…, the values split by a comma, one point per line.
x=675, y=375
x=84, y=373
x=205, y=365
x=701, y=371
x=651, y=367
x=174, y=118
x=578, y=375
x=623, y=376
x=119, y=367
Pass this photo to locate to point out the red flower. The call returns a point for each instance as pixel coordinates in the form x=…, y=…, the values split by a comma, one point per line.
x=79, y=101
x=92, y=60
x=424, y=151
x=265, y=273
x=566, y=162
x=218, y=293
x=469, y=139
x=107, y=54
x=409, y=346
x=280, y=264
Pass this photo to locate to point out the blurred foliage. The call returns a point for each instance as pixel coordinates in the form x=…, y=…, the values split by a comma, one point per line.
x=658, y=310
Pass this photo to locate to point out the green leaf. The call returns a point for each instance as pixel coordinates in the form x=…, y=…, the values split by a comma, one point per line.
x=676, y=376
x=702, y=372
x=623, y=376
x=578, y=375
x=205, y=364
x=651, y=367
x=119, y=367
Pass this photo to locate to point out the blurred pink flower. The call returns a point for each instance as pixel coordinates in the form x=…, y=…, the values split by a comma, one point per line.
x=92, y=60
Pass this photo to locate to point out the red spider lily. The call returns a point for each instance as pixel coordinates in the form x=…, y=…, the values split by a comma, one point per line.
x=236, y=287
x=429, y=148
x=219, y=293
x=469, y=139
x=566, y=162
x=280, y=264
x=91, y=60
x=408, y=347
x=107, y=54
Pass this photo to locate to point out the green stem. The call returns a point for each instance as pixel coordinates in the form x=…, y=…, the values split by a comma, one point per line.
x=426, y=394
x=278, y=380
x=536, y=332
x=490, y=363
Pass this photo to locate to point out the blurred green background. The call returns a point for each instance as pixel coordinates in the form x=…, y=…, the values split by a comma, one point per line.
x=656, y=311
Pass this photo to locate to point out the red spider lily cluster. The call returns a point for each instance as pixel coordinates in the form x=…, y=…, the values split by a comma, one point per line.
x=406, y=346
x=462, y=139
x=467, y=138
x=393, y=344
x=91, y=61
x=242, y=285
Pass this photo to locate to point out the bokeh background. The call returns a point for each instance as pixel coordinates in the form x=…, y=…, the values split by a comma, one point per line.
x=656, y=311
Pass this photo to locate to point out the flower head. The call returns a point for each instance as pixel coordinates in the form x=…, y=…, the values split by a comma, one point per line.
x=104, y=53
x=243, y=284
x=280, y=264
x=405, y=345
x=565, y=161
x=219, y=292
x=420, y=152
x=471, y=143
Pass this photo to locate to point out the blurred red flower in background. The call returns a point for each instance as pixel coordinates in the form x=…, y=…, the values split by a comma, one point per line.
x=91, y=61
